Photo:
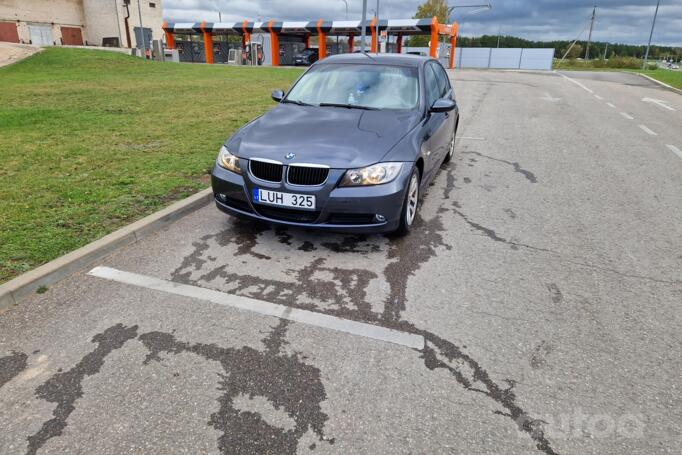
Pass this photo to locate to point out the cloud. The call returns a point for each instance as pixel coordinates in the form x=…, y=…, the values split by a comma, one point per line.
x=625, y=21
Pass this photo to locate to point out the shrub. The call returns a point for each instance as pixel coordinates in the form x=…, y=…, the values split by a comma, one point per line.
x=624, y=62
x=600, y=63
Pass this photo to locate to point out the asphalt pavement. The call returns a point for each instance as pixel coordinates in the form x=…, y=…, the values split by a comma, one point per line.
x=542, y=285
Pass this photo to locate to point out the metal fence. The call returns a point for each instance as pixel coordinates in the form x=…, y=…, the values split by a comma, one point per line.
x=496, y=58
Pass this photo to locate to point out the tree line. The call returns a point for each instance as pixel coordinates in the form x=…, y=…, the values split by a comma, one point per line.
x=598, y=49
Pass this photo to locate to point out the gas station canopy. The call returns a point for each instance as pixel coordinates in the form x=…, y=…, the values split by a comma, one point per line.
x=320, y=28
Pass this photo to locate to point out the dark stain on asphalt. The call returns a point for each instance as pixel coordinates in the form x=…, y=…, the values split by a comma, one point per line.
x=405, y=256
x=470, y=375
x=450, y=180
x=517, y=167
x=283, y=235
x=193, y=261
x=353, y=283
x=11, y=365
x=555, y=293
x=65, y=388
x=510, y=212
x=277, y=338
x=352, y=244
x=307, y=246
x=490, y=233
x=539, y=356
x=346, y=289
x=282, y=379
x=244, y=234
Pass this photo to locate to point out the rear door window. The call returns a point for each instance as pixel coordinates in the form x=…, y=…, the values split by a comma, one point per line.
x=432, y=88
x=442, y=78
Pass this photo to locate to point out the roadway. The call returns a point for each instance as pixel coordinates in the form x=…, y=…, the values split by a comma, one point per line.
x=534, y=309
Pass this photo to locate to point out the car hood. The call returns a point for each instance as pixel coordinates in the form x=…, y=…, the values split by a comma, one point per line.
x=340, y=138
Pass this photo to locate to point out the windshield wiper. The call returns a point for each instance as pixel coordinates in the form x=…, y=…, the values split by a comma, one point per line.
x=348, y=106
x=298, y=102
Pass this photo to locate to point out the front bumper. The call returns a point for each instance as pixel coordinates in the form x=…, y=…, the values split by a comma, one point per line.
x=347, y=209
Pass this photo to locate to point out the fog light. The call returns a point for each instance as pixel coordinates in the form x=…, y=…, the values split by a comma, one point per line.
x=222, y=196
x=379, y=218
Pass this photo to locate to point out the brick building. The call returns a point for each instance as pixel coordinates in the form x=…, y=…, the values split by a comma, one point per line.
x=80, y=22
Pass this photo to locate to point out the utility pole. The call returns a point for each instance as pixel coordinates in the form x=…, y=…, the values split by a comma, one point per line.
x=377, y=29
x=605, y=50
x=478, y=8
x=363, y=32
x=144, y=41
x=220, y=16
x=646, y=56
x=337, y=36
x=589, y=37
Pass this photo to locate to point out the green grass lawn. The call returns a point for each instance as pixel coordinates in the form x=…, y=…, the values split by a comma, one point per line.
x=673, y=78
x=91, y=141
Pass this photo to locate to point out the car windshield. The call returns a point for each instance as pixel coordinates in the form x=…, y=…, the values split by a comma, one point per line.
x=358, y=85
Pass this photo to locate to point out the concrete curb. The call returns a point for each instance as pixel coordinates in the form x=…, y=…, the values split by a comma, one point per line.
x=662, y=84
x=20, y=287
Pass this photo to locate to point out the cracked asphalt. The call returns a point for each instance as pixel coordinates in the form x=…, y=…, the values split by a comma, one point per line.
x=545, y=275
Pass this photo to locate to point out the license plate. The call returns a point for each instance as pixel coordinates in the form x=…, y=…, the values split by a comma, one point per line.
x=299, y=201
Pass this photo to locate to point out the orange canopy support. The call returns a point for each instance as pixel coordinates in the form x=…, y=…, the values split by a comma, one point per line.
x=170, y=39
x=246, y=36
x=433, y=45
x=208, y=43
x=453, y=43
x=274, y=45
x=322, y=40
x=373, y=29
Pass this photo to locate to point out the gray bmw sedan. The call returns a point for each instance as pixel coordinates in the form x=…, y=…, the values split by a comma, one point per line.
x=350, y=147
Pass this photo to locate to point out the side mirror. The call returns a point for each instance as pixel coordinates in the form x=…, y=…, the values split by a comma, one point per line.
x=443, y=105
x=277, y=95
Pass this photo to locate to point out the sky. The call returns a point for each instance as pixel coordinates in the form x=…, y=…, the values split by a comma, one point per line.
x=623, y=21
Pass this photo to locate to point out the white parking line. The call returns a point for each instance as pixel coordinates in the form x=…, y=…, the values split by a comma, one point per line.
x=675, y=150
x=611, y=105
x=647, y=130
x=576, y=83
x=627, y=116
x=660, y=103
x=258, y=306
x=598, y=97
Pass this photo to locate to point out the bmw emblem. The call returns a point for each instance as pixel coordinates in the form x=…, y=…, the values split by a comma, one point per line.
x=289, y=156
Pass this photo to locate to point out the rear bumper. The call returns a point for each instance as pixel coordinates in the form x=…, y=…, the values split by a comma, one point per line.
x=351, y=209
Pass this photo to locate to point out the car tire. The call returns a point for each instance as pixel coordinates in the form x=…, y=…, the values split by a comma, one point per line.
x=410, y=204
x=451, y=151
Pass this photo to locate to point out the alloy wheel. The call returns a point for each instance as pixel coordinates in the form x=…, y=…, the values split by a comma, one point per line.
x=412, y=200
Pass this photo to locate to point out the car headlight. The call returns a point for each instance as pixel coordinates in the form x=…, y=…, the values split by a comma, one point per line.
x=228, y=160
x=375, y=174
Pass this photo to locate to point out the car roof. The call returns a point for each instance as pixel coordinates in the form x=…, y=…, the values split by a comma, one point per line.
x=377, y=59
